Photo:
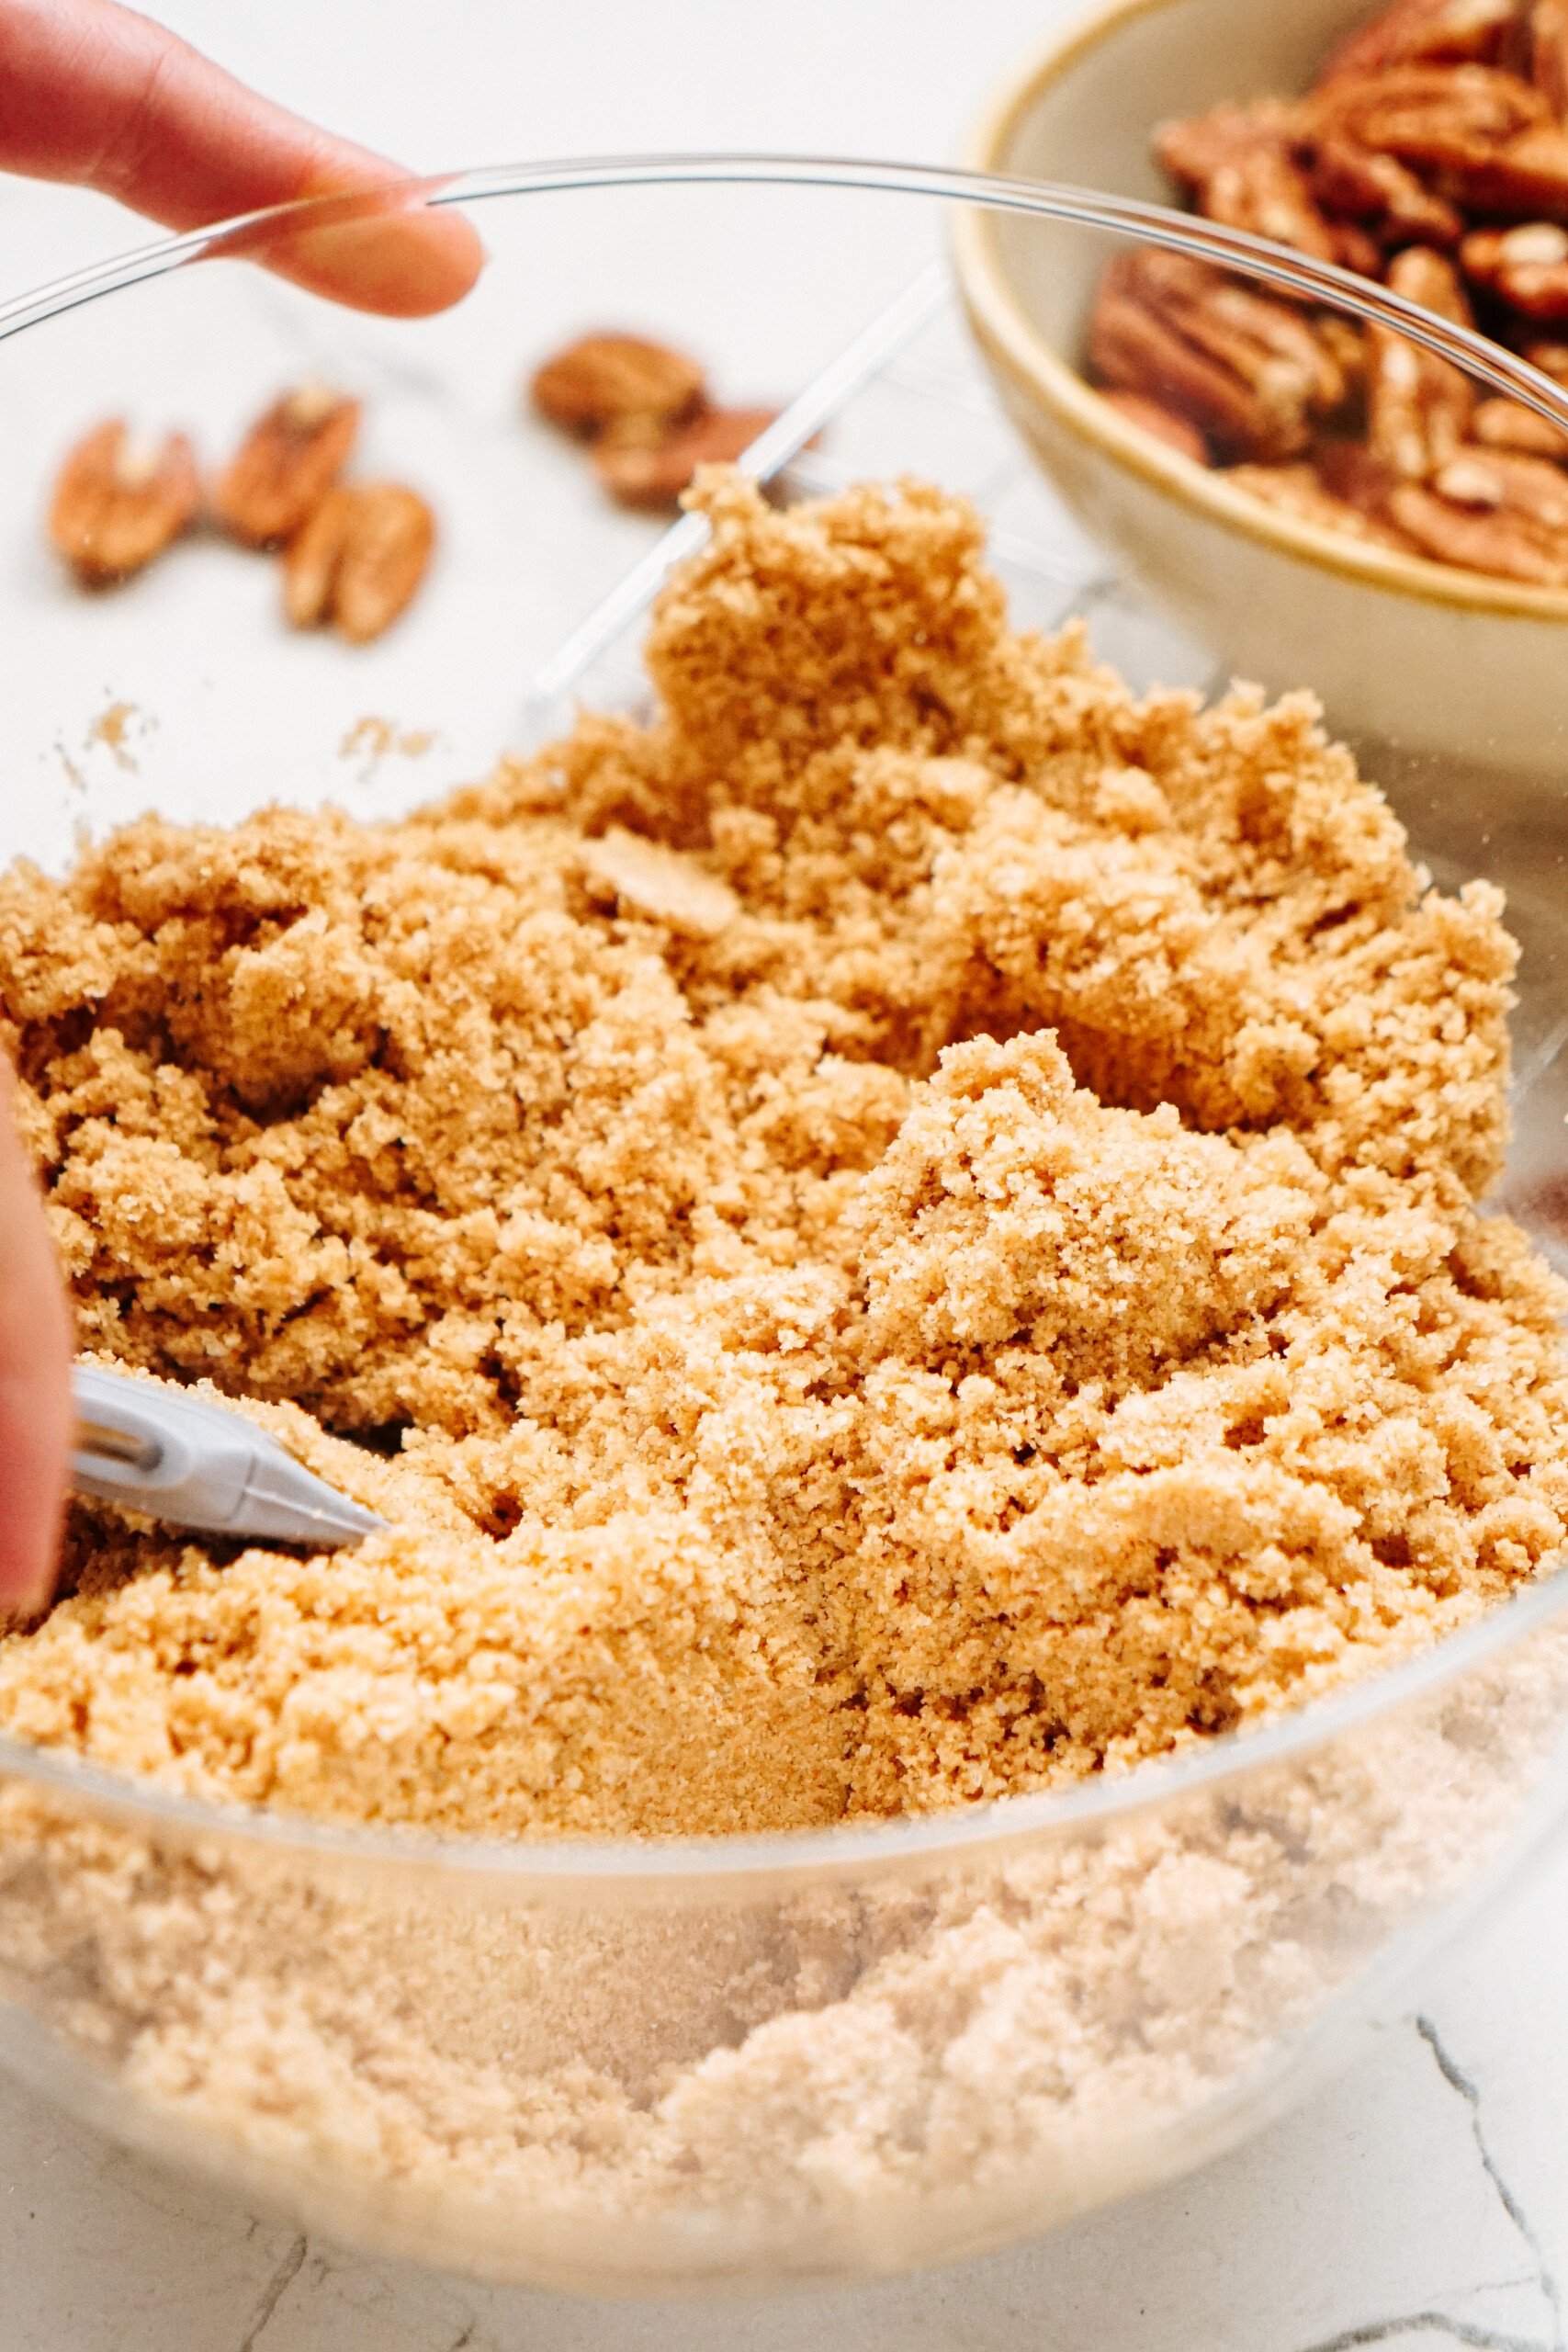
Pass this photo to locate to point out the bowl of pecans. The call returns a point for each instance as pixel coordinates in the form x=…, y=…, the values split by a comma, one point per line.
x=1281, y=476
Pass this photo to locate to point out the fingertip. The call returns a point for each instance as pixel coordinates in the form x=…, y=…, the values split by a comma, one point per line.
x=22, y=1602
x=403, y=264
x=35, y=1433
x=446, y=266
x=37, y=1413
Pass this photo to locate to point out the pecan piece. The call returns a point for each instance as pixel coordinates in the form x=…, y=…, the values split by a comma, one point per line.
x=1356, y=248
x=1492, y=512
x=1524, y=179
x=1427, y=33
x=1382, y=195
x=1418, y=406
x=1526, y=267
x=118, y=502
x=1508, y=424
x=1545, y=353
x=358, y=561
x=1297, y=490
x=1549, y=54
x=605, y=380
x=1249, y=373
x=1160, y=425
x=1236, y=164
x=1351, y=472
x=1431, y=280
x=1345, y=344
x=285, y=464
x=1193, y=148
x=1428, y=116
x=662, y=883
x=1505, y=479
x=653, y=476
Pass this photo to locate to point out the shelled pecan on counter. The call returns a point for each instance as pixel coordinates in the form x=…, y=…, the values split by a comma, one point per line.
x=1432, y=155
x=645, y=409
x=354, y=554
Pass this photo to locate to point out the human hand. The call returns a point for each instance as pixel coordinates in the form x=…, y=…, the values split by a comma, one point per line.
x=93, y=94
x=96, y=95
x=35, y=1416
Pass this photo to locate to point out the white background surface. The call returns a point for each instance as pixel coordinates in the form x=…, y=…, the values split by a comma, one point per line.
x=1423, y=2202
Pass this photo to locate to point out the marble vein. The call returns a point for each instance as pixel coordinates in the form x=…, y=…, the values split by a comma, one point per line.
x=1458, y=2331
x=1466, y=2087
x=272, y=2294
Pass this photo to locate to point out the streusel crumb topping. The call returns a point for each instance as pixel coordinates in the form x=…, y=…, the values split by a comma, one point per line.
x=903, y=1232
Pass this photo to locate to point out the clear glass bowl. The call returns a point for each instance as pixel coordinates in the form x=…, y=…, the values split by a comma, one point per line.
x=626, y=2067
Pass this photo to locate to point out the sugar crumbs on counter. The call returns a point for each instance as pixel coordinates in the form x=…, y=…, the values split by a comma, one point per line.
x=906, y=1232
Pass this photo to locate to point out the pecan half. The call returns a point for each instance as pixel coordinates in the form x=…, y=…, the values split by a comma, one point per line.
x=1549, y=54
x=1492, y=512
x=1296, y=490
x=1431, y=280
x=285, y=464
x=1526, y=267
x=654, y=476
x=1345, y=344
x=358, y=561
x=1249, y=373
x=1418, y=406
x=1160, y=425
x=117, y=504
x=1382, y=195
x=1193, y=148
x=1427, y=33
x=1524, y=179
x=1508, y=424
x=1350, y=471
x=1428, y=116
x=1545, y=353
x=605, y=380
x=1356, y=248
x=1511, y=480
x=1236, y=164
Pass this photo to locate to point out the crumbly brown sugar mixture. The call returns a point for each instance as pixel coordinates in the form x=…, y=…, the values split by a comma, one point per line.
x=904, y=1232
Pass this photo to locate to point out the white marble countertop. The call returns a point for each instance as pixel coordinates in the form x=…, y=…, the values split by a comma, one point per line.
x=1423, y=2199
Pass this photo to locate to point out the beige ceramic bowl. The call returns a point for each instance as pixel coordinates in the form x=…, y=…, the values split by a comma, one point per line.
x=1412, y=657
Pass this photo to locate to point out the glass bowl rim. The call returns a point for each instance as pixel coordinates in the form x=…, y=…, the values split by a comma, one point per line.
x=247, y=235
x=695, y=1862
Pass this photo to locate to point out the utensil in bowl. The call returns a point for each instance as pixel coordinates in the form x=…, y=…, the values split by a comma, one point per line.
x=179, y=1459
